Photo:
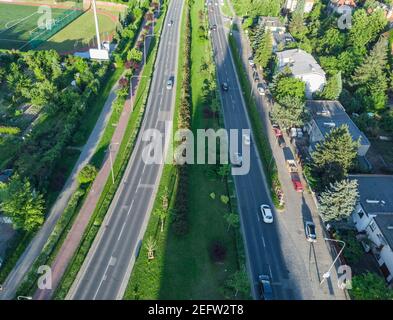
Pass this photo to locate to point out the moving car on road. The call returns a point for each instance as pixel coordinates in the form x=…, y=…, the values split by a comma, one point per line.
x=214, y=27
x=246, y=139
x=225, y=86
x=267, y=214
x=265, y=287
x=237, y=160
x=310, y=232
x=169, y=84
x=170, y=23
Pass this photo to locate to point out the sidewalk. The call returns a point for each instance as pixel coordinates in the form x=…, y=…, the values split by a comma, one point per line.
x=74, y=237
x=307, y=263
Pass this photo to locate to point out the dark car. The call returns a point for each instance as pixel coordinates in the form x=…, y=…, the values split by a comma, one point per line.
x=225, y=86
x=265, y=287
x=214, y=27
x=310, y=232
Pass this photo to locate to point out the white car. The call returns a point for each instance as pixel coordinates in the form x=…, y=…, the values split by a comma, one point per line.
x=261, y=89
x=237, y=160
x=246, y=139
x=169, y=84
x=267, y=214
x=251, y=62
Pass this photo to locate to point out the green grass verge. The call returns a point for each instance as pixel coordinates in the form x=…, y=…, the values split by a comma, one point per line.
x=182, y=268
x=259, y=130
x=119, y=167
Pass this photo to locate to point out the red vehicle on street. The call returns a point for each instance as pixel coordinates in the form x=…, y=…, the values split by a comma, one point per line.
x=297, y=184
x=278, y=133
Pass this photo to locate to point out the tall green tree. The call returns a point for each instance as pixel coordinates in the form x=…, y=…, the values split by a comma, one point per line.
x=333, y=87
x=370, y=286
x=291, y=112
x=22, y=204
x=332, y=158
x=338, y=201
x=285, y=85
x=264, y=52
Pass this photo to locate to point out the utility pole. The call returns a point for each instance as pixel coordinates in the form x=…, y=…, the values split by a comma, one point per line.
x=96, y=22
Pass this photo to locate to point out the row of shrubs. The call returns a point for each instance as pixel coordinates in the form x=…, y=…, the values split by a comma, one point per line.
x=180, y=221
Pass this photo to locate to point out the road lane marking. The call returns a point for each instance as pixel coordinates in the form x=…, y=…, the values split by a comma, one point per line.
x=112, y=262
x=263, y=240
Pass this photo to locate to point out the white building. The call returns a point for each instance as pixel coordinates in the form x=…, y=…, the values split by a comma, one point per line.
x=373, y=218
x=292, y=4
x=304, y=67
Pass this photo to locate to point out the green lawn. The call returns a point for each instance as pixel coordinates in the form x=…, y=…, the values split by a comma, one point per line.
x=183, y=268
x=80, y=33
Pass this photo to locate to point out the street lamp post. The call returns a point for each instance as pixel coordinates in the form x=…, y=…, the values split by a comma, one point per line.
x=327, y=273
x=111, y=161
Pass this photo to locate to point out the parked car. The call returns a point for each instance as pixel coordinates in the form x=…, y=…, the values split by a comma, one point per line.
x=291, y=166
x=267, y=214
x=279, y=136
x=266, y=290
x=225, y=86
x=297, y=184
x=256, y=77
x=310, y=232
x=251, y=61
x=261, y=89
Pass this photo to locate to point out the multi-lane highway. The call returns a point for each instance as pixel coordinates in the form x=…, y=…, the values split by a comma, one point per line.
x=105, y=272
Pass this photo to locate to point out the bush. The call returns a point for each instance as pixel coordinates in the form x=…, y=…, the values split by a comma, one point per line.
x=87, y=174
x=218, y=252
x=9, y=130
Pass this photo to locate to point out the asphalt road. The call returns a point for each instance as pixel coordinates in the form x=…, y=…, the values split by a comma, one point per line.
x=264, y=252
x=105, y=272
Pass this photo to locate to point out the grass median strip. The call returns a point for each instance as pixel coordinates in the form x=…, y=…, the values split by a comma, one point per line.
x=200, y=263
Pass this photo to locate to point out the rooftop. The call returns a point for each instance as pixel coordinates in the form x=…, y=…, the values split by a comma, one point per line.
x=271, y=22
x=385, y=224
x=376, y=193
x=300, y=62
x=330, y=114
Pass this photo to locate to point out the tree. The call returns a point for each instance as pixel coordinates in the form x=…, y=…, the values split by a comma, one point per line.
x=370, y=286
x=285, y=85
x=333, y=88
x=232, y=219
x=135, y=55
x=87, y=174
x=372, y=76
x=161, y=214
x=223, y=171
x=339, y=200
x=264, y=51
x=296, y=25
x=335, y=155
x=22, y=204
x=165, y=199
x=332, y=42
x=239, y=282
x=290, y=113
x=150, y=246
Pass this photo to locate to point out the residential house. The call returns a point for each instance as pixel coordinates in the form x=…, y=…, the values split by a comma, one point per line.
x=304, y=67
x=373, y=218
x=280, y=38
x=291, y=5
x=340, y=5
x=326, y=115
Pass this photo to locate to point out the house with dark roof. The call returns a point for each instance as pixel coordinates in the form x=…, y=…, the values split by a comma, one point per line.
x=373, y=218
x=326, y=115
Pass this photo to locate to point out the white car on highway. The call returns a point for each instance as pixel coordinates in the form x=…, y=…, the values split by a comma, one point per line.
x=246, y=139
x=267, y=214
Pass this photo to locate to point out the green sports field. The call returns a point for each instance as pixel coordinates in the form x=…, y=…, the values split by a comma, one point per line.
x=19, y=24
